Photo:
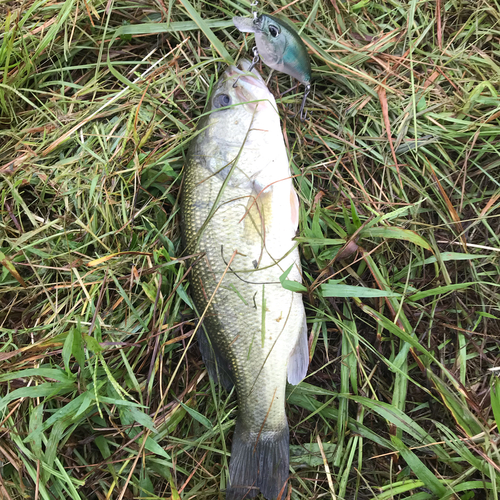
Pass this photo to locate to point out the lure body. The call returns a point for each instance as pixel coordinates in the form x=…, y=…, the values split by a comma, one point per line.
x=278, y=45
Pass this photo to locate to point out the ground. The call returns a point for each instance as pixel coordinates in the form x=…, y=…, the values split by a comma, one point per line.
x=103, y=391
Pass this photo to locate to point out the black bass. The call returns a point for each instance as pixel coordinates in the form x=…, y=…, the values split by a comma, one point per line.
x=240, y=211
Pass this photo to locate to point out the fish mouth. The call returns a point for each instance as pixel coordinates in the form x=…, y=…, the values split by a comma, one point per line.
x=241, y=73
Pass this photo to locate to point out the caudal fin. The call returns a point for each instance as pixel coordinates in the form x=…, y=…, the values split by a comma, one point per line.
x=258, y=462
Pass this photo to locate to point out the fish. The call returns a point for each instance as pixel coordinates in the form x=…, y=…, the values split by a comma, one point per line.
x=278, y=45
x=239, y=219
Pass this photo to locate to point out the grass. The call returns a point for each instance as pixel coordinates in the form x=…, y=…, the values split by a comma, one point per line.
x=103, y=392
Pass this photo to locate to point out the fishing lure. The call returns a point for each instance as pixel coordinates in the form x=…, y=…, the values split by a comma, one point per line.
x=280, y=47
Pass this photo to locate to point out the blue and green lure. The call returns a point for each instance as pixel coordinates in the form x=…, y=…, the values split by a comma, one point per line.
x=280, y=47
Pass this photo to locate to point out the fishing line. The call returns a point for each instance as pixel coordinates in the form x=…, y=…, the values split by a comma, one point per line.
x=255, y=50
x=250, y=271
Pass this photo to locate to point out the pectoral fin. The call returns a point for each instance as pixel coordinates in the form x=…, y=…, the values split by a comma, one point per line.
x=257, y=211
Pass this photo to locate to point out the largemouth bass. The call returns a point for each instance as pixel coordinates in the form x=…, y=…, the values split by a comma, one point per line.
x=240, y=212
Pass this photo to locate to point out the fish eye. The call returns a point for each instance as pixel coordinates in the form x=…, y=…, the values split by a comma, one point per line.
x=221, y=101
x=274, y=30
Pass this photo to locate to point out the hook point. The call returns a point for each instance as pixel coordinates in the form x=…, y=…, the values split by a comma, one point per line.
x=303, y=112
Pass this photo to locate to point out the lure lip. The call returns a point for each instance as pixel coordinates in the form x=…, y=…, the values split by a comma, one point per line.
x=245, y=24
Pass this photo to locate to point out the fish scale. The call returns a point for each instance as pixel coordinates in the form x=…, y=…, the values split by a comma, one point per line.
x=235, y=202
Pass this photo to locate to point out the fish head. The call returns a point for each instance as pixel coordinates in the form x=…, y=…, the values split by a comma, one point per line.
x=279, y=45
x=241, y=121
x=241, y=104
x=242, y=91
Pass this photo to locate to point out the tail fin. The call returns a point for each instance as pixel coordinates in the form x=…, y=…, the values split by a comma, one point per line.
x=258, y=462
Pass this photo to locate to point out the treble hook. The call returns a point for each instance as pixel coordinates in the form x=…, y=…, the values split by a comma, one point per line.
x=254, y=12
x=302, y=113
x=255, y=60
